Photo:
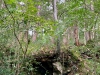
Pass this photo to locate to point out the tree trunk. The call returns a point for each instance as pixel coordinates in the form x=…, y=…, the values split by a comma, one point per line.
x=76, y=35
x=65, y=37
x=34, y=35
x=65, y=40
x=55, y=17
x=55, y=10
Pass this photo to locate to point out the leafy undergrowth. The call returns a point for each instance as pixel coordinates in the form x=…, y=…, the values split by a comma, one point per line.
x=84, y=59
x=91, y=67
x=90, y=59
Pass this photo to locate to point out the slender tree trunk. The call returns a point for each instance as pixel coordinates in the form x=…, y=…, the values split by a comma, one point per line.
x=65, y=37
x=76, y=35
x=66, y=32
x=92, y=9
x=86, y=37
x=65, y=42
x=55, y=10
x=55, y=17
x=34, y=35
x=87, y=34
x=58, y=36
x=26, y=43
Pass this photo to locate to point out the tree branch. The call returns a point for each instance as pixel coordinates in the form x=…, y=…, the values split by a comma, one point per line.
x=13, y=25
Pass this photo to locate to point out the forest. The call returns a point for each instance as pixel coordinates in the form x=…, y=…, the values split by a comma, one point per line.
x=49, y=37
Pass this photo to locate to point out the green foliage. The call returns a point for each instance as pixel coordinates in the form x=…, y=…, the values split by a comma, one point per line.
x=93, y=67
x=5, y=71
x=97, y=6
x=16, y=17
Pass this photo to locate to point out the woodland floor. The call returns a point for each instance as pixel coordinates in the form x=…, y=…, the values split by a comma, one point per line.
x=74, y=62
